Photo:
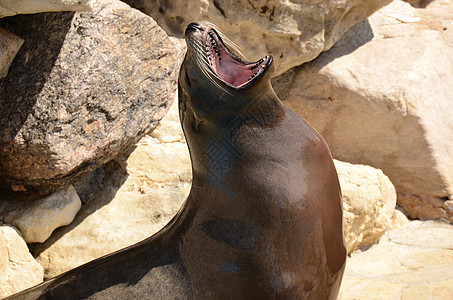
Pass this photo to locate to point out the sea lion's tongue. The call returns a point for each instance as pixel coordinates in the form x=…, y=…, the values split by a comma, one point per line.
x=232, y=71
x=230, y=68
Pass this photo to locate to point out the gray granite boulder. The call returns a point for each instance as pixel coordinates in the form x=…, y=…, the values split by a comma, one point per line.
x=84, y=87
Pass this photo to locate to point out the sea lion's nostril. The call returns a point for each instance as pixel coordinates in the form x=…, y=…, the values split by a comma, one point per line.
x=193, y=27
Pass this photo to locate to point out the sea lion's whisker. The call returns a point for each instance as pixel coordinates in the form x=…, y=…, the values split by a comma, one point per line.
x=230, y=44
x=202, y=61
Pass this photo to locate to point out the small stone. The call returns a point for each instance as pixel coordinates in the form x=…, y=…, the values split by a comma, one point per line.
x=399, y=219
x=9, y=46
x=369, y=200
x=37, y=219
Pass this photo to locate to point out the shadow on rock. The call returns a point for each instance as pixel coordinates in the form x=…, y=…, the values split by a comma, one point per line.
x=96, y=190
x=21, y=88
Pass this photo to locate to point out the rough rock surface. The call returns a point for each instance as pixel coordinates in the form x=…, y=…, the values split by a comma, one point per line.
x=9, y=46
x=13, y=7
x=138, y=196
x=414, y=262
x=439, y=3
x=18, y=269
x=369, y=200
x=294, y=32
x=382, y=97
x=37, y=219
x=83, y=88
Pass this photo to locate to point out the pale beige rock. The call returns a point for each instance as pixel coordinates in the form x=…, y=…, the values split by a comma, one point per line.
x=14, y=7
x=38, y=219
x=369, y=201
x=18, y=269
x=294, y=32
x=399, y=219
x=439, y=3
x=413, y=262
x=442, y=290
x=130, y=206
x=430, y=234
x=382, y=97
x=9, y=45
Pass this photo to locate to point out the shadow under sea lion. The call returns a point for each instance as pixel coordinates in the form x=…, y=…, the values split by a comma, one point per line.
x=263, y=219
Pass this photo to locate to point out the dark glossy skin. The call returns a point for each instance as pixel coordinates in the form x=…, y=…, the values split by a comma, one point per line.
x=263, y=219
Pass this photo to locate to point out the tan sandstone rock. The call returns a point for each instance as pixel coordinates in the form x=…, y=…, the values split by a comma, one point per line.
x=399, y=219
x=294, y=32
x=138, y=196
x=382, y=97
x=9, y=45
x=369, y=200
x=18, y=269
x=39, y=218
x=414, y=262
x=14, y=7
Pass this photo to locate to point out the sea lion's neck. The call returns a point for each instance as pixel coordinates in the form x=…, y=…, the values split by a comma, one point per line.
x=217, y=114
x=213, y=137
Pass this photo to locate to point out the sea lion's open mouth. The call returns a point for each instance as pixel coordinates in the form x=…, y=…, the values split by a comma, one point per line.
x=235, y=72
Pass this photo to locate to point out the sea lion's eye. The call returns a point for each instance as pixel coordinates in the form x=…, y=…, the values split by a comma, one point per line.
x=186, y=78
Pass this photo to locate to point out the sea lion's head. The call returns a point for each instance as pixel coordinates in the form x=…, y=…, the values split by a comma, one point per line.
x=210, y=51
x=215, y=79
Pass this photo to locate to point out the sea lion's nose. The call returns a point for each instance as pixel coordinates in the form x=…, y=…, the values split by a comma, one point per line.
x=193, y=27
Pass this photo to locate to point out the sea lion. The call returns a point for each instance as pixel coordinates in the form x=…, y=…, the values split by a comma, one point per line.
x=263, y=219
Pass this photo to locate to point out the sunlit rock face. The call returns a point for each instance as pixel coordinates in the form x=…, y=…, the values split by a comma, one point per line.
x=382, y=97
x=293, y=32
